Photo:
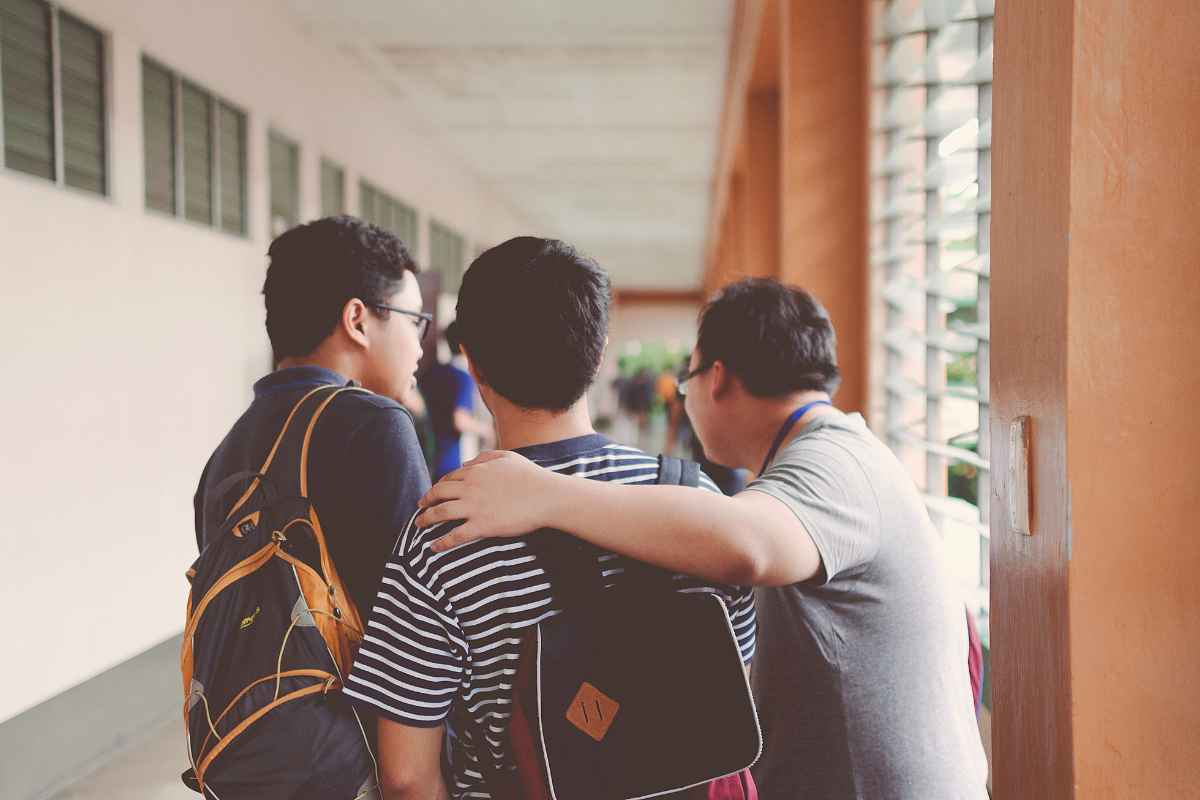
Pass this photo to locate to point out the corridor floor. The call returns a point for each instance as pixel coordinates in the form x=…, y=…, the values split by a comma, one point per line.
x=148, y=771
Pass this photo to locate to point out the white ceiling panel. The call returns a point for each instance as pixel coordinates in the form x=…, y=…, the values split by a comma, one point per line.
x=598, y=120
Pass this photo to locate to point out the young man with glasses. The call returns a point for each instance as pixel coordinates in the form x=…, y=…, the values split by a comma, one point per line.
x=861, y=680
x=343, y=308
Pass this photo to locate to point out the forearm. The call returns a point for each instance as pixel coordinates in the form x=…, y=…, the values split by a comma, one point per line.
x=683, y=529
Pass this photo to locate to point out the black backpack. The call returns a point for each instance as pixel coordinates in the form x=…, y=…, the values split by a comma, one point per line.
x=270, y=636
x=632, y=692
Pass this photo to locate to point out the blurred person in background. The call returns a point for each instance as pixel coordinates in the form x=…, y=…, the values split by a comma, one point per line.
x=450, y=393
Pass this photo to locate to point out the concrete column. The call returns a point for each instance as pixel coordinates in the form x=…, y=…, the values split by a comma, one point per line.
x=1094, y=320
x=824, y=164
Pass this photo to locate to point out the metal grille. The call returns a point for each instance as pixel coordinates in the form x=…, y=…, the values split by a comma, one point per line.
x=931, y=207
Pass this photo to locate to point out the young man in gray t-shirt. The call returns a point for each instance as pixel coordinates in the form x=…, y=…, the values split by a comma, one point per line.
x=861, y=675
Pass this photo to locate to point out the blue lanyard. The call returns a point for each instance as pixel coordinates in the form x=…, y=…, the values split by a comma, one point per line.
x=787, y=428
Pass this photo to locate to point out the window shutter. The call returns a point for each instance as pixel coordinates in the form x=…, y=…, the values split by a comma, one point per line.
x=158, y=133
x=931, y=208
x=285, y=184
x=231, y=133
x=447, y=252
x=81, y=55
x=333, y=189
x=28, y=97
x=366, y=202
x=197, y=155
x=405, y=224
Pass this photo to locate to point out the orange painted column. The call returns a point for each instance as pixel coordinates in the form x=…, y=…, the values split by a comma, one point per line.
x=824, y=128
x=761, y=185
x=1095, y=291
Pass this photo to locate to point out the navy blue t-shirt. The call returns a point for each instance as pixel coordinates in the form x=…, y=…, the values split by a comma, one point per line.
x=366, y=470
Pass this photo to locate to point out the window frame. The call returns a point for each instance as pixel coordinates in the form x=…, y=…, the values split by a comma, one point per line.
x=329, y=165
x=216, y=103
x=106, y=76
x=394, y=204
x=276, y=133
x=439, y=232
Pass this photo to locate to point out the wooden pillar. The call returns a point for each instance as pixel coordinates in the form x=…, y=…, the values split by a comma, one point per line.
x=1095, y=291
x=824, y=129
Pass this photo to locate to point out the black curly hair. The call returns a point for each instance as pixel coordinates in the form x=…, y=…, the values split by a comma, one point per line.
x=316, y=268
x=533, y=317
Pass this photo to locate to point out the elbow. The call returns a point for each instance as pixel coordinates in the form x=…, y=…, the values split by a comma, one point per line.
x=748, y=567
x=402, y=785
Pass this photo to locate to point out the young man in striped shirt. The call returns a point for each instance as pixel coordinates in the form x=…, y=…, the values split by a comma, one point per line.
x=443, y=637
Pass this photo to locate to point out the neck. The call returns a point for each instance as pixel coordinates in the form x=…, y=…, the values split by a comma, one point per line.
x=767, y=416
x=341, y=363
x=522, y=427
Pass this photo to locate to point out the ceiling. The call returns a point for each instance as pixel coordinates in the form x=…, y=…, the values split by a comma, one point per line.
x=597, y=120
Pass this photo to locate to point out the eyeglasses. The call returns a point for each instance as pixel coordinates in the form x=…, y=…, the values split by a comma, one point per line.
x=685, y=376
x=423, y=319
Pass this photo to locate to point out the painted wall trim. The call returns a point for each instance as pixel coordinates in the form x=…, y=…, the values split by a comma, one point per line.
x=67, y=737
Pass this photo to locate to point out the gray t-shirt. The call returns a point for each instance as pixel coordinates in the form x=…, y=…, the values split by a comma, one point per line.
x=861, y=675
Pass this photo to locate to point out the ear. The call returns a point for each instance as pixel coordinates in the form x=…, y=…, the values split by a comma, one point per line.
x=722, y=380
x=485, y=391
x=354, y=322
x=470, y=365
x=600, y=362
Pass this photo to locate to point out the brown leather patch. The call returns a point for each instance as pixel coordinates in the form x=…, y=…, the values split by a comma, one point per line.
x=592, y=711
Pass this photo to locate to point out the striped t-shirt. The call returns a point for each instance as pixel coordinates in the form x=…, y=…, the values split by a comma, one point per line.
x=443, y=638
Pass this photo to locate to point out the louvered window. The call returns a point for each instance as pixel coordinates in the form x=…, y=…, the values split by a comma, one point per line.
x=194, y=146
x=231, y=168
x=447, y=254
x=52, y=95
x=380, y=208
x=197, y=155
x=333, y=189
x=931, y=206
x=158, y=133
x=285, y=183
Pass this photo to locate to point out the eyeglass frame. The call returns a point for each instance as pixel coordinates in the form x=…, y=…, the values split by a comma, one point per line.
x=424, y=316
x=686, y=375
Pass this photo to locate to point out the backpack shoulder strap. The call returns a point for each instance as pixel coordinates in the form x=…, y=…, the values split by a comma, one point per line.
x=674, y=471
x=285, y=470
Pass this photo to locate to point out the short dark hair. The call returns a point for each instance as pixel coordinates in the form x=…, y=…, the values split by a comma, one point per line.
x=776, y=339
x=533, y=317
x=316, y=268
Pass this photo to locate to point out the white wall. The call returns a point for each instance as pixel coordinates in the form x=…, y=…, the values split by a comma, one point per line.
x=132, y=337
